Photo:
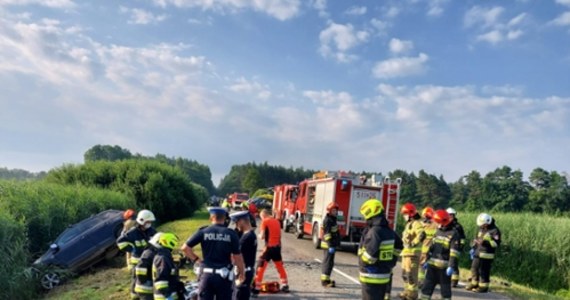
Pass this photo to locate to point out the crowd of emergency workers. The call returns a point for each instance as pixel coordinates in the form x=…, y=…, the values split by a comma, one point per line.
x=429, y=248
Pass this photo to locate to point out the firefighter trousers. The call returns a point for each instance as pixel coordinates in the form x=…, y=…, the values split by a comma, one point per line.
x=373, y=291
x=410, y=273
x=436, y=276
x=481, y=272
x=389, y=288
x=328, y=264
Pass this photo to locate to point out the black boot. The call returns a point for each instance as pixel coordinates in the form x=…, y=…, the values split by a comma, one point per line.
x=454, y=283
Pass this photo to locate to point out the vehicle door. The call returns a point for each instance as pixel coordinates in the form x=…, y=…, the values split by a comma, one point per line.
x=74, y=248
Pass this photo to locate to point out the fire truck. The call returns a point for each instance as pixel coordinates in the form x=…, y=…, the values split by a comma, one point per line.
x=302, y=208
x=236, y=199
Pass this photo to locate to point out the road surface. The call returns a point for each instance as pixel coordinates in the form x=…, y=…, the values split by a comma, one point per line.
x=302, y=263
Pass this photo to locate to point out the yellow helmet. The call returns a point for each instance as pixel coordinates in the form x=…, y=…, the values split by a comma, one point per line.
x=168, y=240
x=371, y=208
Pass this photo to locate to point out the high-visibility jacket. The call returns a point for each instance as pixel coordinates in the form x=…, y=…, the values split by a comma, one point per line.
x=413, y=237
x=444, y=249
x=271, y=229
x=430, y=228
x=135, y=241
x=489, y=241
x=164, y=275
x=455, y=224
x=377, y=251
x=331, y=235
x=143, y=271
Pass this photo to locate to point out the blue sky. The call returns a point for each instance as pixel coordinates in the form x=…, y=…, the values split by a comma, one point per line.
x=445, y=86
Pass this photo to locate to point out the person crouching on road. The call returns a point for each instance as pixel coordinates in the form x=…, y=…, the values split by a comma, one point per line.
x=143, y=270
x=135, y=241
x=485, y=246
x=270, y=232
x=248, y=248
x=220, y=246
x=376, y=251
x=455, y=224
x=430, y=228
x=442, y=257
x=330, y=241
x=413, y=237
x=164, y=272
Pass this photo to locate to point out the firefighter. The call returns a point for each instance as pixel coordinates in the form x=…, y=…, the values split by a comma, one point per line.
x=270, y=232
x=135, y=240
x=330, y=241
x=430, y=228
x=164, y=272
x=455, y=224
x=248, y=248
x=128, y=223
x=220, y=246
x=398, y=246
x=143, y=270
x=377, y=254
x=412, y=237
x=442, y=257
x=482, y=253
x=226, y=204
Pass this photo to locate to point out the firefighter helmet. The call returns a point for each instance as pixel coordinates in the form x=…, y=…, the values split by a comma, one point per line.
x=483, y=219
x=154, y=239
x=144, y=216
x=168, y=240
x=371, y=208
x=129, y=213
x=441, y=217
x=427, y=212
x=451, y=211
x=331, y=206
x=408, y=209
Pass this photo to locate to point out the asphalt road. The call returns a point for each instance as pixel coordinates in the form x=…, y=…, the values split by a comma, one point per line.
x=302, y=263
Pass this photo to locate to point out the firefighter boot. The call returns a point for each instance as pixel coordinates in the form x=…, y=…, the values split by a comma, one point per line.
x=328, y=283
x=471, y=287
x=408, y=295
x=454, y=283
x=481, y=289
x=285, y=288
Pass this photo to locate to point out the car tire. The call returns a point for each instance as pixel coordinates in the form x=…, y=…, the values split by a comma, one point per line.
x=50, y=279
x=299, y=228
x=316, y=240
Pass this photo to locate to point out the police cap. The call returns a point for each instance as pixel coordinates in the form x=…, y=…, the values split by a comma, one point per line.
x=239, y=215
x=215, y=210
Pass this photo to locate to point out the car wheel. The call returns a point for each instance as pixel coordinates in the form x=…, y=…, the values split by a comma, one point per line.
x=50, y=279
x=316, y=240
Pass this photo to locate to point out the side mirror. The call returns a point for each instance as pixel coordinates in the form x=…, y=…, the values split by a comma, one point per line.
x=54, y=247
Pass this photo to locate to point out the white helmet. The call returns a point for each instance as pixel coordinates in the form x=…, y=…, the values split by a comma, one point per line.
x=154, y=240
x=483, y=219
x=451, y=211
x=144, y=216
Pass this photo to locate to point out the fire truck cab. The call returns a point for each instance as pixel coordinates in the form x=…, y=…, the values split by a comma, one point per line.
x=236, y=199
x=284, y=199
x=349, y=191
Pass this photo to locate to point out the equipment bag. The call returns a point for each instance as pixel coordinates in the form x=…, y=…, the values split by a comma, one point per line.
x=270, y=287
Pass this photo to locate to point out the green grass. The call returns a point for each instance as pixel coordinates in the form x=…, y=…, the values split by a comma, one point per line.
x=112, y=280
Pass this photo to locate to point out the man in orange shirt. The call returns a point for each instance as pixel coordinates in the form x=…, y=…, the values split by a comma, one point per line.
x=270, y=231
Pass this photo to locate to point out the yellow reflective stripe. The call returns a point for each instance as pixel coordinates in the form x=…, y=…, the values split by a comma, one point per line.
x=442, y=240
x=387, y=250
x=411, y=251
x=325, y=277
x=454, y=277
x=327, y=237
x=334, y=229
x=484, y=284
x=140, y=243
x=324, y=245
x=440, y=263
x=134, y=260
x=162, y=284
x=159, y=297
x=123, y=245
x=493, y=243
x=141, y=271
x=367, y=258
x=487, y=255
x=374, y=278
x=143, y=289
x=454, y=253
x=425, y=249
x=397, y=252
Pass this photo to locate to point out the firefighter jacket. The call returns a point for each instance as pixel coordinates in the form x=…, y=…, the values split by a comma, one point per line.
x=430, y=228
x=143, y=271
x=378, y=251
x=135, y=241
x=455, y=224
x=487, y=242
x=413, y=237
x=331, y=235
x=164, y=275
x=444, y=249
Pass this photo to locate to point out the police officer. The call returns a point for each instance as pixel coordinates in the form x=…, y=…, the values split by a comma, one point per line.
x=330, y=241
x=164, y=272
x=442, y=257
x=413, y=237
x=376, y=251
x=430, y=228
x=143, y=270
x=220, y=245
x=248, y=248
x=483, y=251
x=135, y=241
x=455, y=224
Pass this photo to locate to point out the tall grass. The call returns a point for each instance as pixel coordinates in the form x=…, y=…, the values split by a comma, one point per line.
x=535, y=249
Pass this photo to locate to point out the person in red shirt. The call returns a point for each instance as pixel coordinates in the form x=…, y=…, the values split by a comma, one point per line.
x=270, y=232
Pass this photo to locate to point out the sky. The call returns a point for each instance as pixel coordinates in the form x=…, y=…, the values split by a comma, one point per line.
x=440, y=85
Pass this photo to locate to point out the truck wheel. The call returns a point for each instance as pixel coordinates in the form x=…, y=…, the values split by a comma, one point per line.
x=316, y=240
x=299, y=228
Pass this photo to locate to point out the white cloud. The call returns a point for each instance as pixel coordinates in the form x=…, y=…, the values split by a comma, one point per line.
x=514, y=34
x=400, y=67
x=486, y=17
x=255, y=88
x=141, y=16
x=380, y=26
x=435, y=7
x=493, y=37
x=563, y=2
x=562, y=20
x=279, y=9
x=356, y=11
x=47, y=3
x=398, y=46
x=337, y=39
x=517, y=20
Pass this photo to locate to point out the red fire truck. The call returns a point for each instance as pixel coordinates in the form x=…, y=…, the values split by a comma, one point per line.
x=303, y=208
x=236, y=199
